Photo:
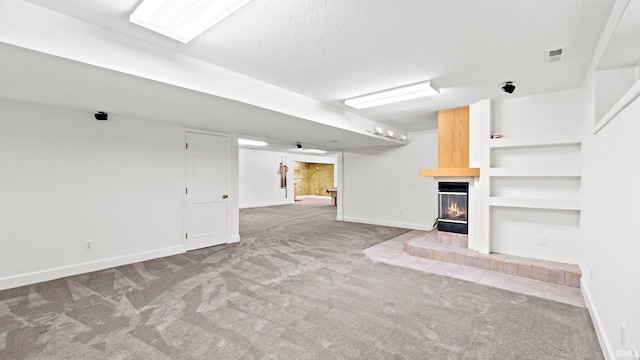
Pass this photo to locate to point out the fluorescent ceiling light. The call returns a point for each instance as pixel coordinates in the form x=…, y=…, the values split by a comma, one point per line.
x=183, y=20
x=394, y=95
x=315, y=151
x=251, y=142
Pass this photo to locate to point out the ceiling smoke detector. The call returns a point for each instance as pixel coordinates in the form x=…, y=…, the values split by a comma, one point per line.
x=554, y=54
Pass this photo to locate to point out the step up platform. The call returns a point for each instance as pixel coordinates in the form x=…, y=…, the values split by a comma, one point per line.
x=452, y=248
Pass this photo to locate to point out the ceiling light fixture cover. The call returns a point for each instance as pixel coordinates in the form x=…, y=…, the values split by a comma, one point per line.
x=315, y=151
x=183, y=20
x=403, y=93
x=251, y=142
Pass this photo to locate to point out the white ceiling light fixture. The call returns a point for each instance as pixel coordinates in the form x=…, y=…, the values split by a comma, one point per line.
x=315, y=151
x=402, y=93
x=247, y=142
x=183, y=20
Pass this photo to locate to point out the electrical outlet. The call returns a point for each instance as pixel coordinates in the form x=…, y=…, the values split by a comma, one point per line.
x=623, y=336
x=88, y=245
x=542, y=239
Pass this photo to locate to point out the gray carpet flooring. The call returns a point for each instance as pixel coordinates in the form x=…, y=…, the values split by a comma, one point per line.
x=296, y=287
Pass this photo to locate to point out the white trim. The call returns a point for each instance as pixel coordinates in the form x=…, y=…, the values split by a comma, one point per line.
x=275, y=203
x=234, y=239
x=403, y=225
x=203, y=131
x=624, y=101
x=535, y=203
x=328, y=197
x=340, y=185
x=516, y=143
x=535, y=171
x=607, y=350
x=81, y=268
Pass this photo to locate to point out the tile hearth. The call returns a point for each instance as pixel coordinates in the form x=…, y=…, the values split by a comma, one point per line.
x=392, y=252
x=442, y=246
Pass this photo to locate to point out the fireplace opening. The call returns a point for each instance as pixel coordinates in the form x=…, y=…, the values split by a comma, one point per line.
x=453, y=202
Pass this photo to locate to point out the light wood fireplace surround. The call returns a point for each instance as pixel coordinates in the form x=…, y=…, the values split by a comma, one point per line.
x=453, y=145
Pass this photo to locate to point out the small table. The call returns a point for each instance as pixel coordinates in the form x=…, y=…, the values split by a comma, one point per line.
x=334, y=195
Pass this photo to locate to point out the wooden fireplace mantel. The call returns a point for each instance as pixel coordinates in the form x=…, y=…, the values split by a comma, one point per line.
x=451, y=172
x=453, y=145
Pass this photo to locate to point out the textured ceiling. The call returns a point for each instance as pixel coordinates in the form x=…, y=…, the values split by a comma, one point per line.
x=334, y=49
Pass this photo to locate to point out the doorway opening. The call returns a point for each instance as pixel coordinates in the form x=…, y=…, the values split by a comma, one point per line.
x=311, y=181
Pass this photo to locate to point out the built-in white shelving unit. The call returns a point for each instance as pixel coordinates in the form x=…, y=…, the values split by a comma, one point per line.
x=531, y=164
x=617, y=74
x=531, y=177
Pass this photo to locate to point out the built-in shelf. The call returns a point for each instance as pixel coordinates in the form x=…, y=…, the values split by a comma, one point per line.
x=515, y=143
x=536, y=171
x=450, y=172
x=620, y=105
x=558, y=204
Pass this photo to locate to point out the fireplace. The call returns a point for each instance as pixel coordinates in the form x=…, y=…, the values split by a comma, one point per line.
x=453, y=202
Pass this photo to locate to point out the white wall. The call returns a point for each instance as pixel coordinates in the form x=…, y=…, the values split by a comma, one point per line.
x=66, y=178
x=538, y=117
x=383, y=185
x=259, y=179
x=610, y=241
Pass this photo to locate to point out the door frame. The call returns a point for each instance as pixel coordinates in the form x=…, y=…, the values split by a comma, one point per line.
x=185, y=133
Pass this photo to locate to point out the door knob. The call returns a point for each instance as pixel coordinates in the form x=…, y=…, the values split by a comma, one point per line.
x=225, y=196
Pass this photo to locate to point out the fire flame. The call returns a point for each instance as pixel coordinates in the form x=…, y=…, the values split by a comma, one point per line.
x=454, y=210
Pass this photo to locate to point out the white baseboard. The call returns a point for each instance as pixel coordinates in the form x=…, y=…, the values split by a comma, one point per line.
x=605, y=345
x=274, y=203
x=404, y=225
x=233, y=239
x=70, y=270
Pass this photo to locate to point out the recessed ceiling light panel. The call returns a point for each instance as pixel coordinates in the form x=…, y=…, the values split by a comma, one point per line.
x=247, y=142
x=403, y=93
x=183, y=20
x=315, y=151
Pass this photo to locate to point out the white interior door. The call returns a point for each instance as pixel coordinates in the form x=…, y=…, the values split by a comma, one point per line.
x=207, y=188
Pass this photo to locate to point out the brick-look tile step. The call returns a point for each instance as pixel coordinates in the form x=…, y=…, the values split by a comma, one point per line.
x=449, y=238
x=438, y=246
